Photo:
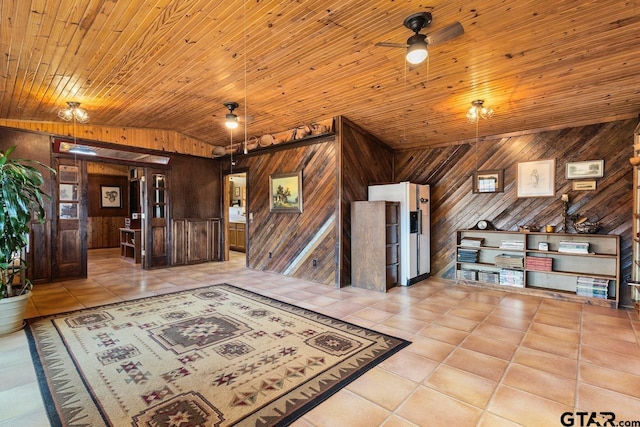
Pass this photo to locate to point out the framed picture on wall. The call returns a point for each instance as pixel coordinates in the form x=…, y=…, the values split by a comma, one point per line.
x=285, y=192
x=536, y=178
x=110, y=196
x=587, y=169
x=68, y=211
x=488, y=181
x=68, y=192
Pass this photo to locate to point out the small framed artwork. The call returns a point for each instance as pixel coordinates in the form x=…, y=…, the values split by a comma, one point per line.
x=285, y=192
x=584, y=185
x=68, y=192
x=68, y=173
x=68, y=211
x=237, y=191
x=110, y=197
x=587, y=169
x=536, y=178
x=488, y=181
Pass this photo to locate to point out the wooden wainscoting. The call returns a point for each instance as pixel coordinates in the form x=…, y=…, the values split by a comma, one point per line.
x=102, y=231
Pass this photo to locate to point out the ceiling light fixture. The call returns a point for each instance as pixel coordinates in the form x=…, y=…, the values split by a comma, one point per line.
x=417, y=43
x=417, y=49
x=478, y=111
x=231, y=120
x=73, y=112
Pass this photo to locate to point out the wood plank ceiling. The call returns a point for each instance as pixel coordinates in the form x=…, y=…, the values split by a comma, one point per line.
x=170, y=64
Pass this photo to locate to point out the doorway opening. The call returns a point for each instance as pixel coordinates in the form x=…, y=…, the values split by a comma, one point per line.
x=237, y=214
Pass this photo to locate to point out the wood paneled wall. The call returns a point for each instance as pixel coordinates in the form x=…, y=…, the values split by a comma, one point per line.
x=294, y=240
x=34, y=146
x=195, y=187
x=152, y=139
x=364, y=160
x=449, y=172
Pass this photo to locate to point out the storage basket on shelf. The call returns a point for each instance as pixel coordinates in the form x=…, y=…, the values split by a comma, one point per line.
x=587, y=227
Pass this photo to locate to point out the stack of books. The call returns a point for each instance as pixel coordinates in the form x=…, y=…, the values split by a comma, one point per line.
x=466, y=274
x=512, y=278
x=467, y=255
x=476, y=242
x=489, y=277
x=512, y=244
x=538, y=263
x=574, y=247
x=509, y=261
x=592, y=287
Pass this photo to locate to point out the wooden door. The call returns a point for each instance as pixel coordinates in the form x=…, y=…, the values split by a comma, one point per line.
x=156, y=230
x=70, y=221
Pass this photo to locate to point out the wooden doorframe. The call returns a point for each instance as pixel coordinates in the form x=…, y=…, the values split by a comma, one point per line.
x=226, y=202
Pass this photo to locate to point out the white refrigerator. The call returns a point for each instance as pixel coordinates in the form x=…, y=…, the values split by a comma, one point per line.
x=415, y=227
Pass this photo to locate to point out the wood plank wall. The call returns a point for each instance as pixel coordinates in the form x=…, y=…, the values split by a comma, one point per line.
x=152, y=139
x=449, y=172
x=294, y=240
x=364, y=160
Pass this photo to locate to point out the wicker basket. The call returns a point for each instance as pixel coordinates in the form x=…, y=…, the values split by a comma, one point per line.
x=587, y=227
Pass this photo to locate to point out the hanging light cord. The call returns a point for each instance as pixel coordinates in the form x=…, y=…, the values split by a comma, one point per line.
x=244, y=36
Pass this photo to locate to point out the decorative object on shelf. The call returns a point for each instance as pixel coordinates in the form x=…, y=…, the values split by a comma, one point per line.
x=583, y=226
x=285, y=192
x=635, y=161
x=488, y=181
x=536, y=178
x=586, y=169
x=543, y=246
x=584, y=185
x=550, y=228
x=527, y=228
x=484, y=224
x=565, y=211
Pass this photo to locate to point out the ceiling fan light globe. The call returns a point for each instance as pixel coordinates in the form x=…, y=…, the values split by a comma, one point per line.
x=417, y=49
x=231, y=121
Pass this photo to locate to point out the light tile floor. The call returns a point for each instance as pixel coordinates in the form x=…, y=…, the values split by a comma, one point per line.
x=478, y=357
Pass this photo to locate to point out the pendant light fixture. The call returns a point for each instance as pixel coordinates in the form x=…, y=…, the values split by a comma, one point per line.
x=478, y=111
x=73, y=112
x=231, y=119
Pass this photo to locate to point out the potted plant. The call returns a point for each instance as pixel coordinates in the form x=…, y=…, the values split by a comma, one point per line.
x=20, y=198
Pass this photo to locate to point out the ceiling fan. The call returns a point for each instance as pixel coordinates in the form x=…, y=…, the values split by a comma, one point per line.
x=416, y=45
x=232, y=119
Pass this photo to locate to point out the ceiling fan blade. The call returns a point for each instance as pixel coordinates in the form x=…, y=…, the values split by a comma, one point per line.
x=445, y=34
x=387, y=44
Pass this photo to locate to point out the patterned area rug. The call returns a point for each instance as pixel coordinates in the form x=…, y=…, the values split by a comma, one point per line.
x=213, y=356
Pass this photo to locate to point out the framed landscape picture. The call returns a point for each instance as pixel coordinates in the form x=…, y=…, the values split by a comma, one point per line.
x=110, y=197
x=488, y=181
x=536, y=179
x=587, y=169
x=285, y=192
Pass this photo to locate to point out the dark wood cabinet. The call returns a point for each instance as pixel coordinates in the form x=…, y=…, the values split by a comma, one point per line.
x=196, y=240
x=375, y=244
